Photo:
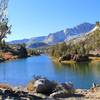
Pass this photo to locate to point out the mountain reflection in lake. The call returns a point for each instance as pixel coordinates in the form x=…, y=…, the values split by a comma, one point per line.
x=21, y=71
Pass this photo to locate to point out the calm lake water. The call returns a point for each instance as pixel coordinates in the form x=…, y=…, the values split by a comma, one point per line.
x=21, y=71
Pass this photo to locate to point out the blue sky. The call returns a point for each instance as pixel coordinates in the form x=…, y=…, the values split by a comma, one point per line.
x=31, y=18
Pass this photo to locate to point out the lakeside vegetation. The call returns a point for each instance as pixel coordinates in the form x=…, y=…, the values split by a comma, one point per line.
x=12, y=51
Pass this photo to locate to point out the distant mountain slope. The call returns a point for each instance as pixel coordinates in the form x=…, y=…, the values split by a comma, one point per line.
x=36, y=39
x=69, y=33
x=54, y=38
x=60, y=36
x=19, y=41
x=91, y=39
x=79, y=30
x=37, y=45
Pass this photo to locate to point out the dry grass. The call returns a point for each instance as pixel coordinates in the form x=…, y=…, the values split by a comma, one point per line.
x=68, y=62
x=94, y=59
x=5, y=86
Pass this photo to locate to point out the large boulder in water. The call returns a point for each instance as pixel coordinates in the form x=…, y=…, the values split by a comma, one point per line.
x=51, y=88
x=42, y=85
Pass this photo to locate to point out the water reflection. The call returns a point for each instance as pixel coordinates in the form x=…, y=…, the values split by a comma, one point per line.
x=81, y=74
x=79, y=68
x=20, y=72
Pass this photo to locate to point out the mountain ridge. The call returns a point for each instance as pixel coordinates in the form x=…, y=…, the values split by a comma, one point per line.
x=59, y=36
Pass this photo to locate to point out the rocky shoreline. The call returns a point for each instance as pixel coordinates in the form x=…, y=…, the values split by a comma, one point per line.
x=43, y=89
x=91, y=59
x=16, y=52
